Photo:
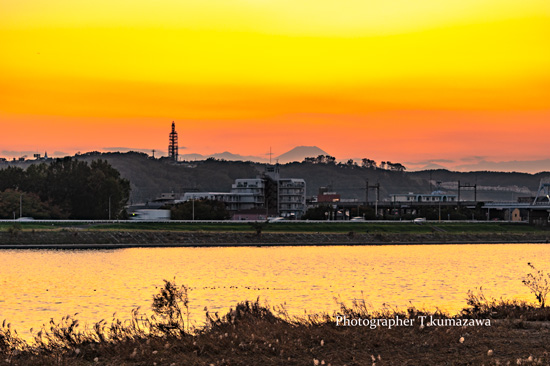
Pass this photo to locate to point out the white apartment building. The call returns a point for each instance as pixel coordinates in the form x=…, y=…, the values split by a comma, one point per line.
x=291, y=197
x=250, y=194
x=246, y=194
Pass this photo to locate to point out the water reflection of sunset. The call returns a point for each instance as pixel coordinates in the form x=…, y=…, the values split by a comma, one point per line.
x=40, y=285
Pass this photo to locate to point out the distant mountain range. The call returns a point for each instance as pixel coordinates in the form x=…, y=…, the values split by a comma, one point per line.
x=525, y=166
x=531, y=166
x=299, y=153
x=226, y=155
x=296, y=154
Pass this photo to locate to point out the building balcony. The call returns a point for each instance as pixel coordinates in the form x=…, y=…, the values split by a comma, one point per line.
x=291, y=193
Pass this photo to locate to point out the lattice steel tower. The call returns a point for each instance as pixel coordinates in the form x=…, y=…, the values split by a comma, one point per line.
x=173, y=145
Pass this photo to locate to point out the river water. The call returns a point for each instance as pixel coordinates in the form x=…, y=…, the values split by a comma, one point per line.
x=36, y=285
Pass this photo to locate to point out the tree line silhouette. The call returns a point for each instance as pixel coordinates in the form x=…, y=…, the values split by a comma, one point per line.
x=365, y=163
x=64, y=189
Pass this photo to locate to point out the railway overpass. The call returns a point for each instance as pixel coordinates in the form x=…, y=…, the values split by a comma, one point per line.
x=537, y=213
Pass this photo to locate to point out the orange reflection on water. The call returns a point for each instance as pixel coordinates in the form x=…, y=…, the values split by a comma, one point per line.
x=36, y=285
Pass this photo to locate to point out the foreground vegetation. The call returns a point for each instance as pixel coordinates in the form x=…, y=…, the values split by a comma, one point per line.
x=253, y=334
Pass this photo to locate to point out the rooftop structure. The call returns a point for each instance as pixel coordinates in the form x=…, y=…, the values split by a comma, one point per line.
x=327, y=195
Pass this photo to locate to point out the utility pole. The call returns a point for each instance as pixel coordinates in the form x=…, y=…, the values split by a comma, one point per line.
x=110, y=207
x=366, y=193
x=21, y=205
x=193, y=206
x=469, y=186
x=377, y=198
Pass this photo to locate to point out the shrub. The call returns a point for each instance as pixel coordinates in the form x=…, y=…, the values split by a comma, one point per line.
x=15, y=229
x=539, y=284
x=169, y=304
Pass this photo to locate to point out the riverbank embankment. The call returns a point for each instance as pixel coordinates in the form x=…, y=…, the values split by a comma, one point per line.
x=84, y=239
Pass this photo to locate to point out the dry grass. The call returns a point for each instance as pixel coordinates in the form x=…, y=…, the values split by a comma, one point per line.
x=252, y=334
x=479, y=306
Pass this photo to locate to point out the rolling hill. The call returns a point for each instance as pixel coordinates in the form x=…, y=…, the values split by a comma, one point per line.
x=151, y=177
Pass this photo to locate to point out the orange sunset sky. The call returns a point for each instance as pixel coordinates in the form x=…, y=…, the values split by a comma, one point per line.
x=397, y=80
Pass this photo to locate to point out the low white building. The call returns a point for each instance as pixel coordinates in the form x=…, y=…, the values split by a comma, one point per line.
x=234, y=201
x=214, y=196
x=434, y=197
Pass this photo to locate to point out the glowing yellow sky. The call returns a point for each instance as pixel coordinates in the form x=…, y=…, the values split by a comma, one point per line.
x=242, y=75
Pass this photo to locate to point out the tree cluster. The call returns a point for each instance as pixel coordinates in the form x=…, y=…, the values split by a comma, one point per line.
x=365, y=163
x=396, y=167
x=66, y=188
x=200, y=210
x=321, y=159
x=368, y=163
